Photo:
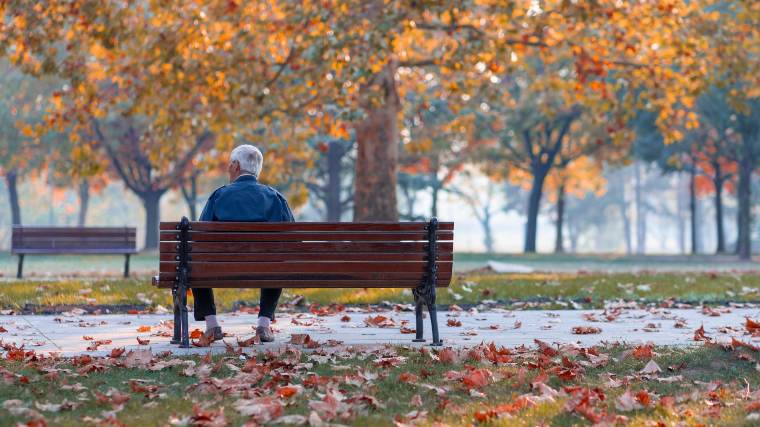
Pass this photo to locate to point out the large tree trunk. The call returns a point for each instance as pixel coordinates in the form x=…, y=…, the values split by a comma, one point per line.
x=693, y=209
x=152, y=204
x=335, y=152
x=377, y=154
x=744, y=217
x=487, y=231
x=720, y=230
x=559, y=246
x=11, y=180
x=534, y=206
x=84, y=202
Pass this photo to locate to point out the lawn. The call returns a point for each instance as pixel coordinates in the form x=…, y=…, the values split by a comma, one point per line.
x=534, y=290
x=330, y=383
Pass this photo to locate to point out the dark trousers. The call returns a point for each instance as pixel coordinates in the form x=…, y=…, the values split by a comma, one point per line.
x=203, y=303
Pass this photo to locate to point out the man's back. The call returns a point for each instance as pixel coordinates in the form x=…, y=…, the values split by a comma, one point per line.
x=246, y=200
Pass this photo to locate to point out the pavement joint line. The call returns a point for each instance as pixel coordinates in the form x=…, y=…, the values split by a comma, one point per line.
x=42, y=333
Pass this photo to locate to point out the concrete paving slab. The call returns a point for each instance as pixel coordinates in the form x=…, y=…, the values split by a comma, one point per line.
x=70, y=334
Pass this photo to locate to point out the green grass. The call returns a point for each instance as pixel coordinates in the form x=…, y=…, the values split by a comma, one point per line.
x=535, y=290
x=178, y=393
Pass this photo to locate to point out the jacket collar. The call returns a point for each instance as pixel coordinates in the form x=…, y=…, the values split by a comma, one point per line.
x=246, y=178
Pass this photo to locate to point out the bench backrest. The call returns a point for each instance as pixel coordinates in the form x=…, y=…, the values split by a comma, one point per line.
x=73, y=240
x=306, y=254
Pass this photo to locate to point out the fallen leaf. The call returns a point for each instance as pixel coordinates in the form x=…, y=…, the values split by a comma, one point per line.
x=142, y=341
x=143, y=329
x=299, y=339
x=453, y=323
x=651, y=368
x=585, y=330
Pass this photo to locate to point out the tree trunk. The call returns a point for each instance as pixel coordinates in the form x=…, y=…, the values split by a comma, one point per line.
x=693, y=210
x=191, y=196
x=641, y=227
x=84, y=202
x=626, y=228
x=377, y=153
x=434, y=207
x=680, y=223
x=744, y=217
x=11, y=180
x=334, y=156
x=487, y=231
x=559, y=246
x=534, y=206
x=152, y=204
x=720, y=231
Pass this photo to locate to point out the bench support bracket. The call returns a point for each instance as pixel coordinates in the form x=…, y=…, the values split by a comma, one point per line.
x=179, y=292
x=425, y=293
x=126, y=266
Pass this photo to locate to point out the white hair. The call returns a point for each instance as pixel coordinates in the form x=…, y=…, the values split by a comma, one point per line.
x=249, y=158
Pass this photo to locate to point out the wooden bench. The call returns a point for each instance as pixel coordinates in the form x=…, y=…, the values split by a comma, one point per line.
x=73, y=240
x=414, y=255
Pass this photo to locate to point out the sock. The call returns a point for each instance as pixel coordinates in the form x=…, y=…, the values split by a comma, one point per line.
x=264, y=321
x=211, y=322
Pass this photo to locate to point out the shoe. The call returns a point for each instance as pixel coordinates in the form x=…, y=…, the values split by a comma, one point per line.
x=213, y=334
x=265, y=334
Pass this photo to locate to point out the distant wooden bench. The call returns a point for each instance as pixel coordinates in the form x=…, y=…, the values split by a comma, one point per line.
x=415, y=255
x=73, y=240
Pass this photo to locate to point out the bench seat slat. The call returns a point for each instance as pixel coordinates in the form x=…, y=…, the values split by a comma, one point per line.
x=255, y=247
x=373, y=275
x=302, y=284
x=198, y=269
x=307, y=226
x=286, y=236
x=82, y=251
x=304, y=256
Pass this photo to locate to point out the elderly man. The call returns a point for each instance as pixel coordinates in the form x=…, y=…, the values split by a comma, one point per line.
x=243, y=199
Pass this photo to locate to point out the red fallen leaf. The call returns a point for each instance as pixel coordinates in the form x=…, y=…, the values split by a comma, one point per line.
x=247, y=343
x=299, y=339
x=668, y=402
x=643, y=352
x=287, y=391
x=379, y=321
x=345, y=318
x=142, y=341
x=506, y=408
x=567, y=374
x=81, y=360
x=585, y=330
x=196, y=333
x=3, y=329
x=752, y=326
x=447, y=355
x=408, y=377
x=643, y=397
x=133, y=312
x=752, y=406
x=87, y=338
x=735, y=343
x=517, y=325
x=116, y=352
x=699, y=334
x=546, y=349
x=203, y=341
x=477, y=378
x=143, y=329
x=453, y=323
x=405, y=330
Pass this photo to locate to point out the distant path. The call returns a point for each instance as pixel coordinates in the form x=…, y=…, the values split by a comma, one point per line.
x=64, y=333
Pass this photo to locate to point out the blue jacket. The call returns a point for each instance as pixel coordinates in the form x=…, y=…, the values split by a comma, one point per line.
x=247, y=200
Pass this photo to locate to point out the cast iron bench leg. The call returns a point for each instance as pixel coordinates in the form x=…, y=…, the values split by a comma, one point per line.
x=20, y=271
x=419, y=325
x=126, y=266
x=434, y=320
x=177, y=319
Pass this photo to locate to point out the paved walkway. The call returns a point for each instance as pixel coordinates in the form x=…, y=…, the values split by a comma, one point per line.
x=71, y=333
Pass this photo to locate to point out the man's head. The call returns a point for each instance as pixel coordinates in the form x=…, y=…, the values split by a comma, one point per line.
x=245, y=159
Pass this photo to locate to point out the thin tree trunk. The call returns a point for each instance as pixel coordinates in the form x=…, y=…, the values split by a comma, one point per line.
x=534, y=206
x=641, y=231
x=626, y=228
x=559, y=246
x=84, y=202
x=744, y=217
x=191, y=196
x=720, y=230
x=335, y=154
x=11, y=180
x=487, y=231
x=680, y=223
x=434, y=207
x=377, y=152
x=152, y=204
x=693, y=209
